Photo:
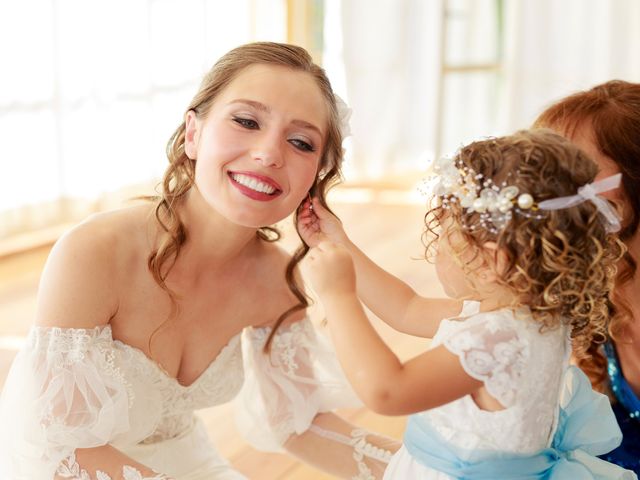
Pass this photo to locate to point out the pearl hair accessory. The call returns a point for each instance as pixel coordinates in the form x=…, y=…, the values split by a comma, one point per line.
x=496, y=204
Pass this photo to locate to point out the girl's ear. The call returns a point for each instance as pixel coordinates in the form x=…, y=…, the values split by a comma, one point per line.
x=191, y=133
x=498, y=261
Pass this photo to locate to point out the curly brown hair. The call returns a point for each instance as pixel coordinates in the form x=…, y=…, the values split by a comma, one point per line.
x=179, y=178
x=611, y=113
x=560, y=263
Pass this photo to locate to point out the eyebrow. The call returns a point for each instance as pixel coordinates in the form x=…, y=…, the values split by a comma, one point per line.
x=257, y=105
x=264, y=108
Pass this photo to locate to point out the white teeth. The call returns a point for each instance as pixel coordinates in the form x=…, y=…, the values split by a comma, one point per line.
x=253, y=184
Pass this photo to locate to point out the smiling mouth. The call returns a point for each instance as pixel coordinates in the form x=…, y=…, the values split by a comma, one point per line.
x=252, y=184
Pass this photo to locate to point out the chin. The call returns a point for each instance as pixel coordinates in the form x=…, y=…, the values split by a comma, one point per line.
x=257, y=221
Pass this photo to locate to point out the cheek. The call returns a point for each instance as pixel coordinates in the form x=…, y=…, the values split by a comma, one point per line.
x=213, y=155
x=606, y=168
x=302, y=175
x=617, y=195
x=448, y=275
x=221, y=145
x=442, y=262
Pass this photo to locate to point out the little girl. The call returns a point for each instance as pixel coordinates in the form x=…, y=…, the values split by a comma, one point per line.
x=524, y=250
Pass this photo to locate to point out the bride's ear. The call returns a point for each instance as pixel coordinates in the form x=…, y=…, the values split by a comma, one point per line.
x=191, y=134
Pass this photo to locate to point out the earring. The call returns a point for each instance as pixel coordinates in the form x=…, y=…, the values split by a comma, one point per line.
x=310, y=203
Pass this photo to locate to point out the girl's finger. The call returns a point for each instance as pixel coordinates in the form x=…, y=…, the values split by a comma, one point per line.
x=319, y=210
x=305, y=213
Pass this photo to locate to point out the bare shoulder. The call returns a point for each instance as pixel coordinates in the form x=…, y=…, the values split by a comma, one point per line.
x=274, y=265
x=79, y=284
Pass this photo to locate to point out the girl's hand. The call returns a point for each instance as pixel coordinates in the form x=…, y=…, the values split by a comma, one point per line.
x=330, y=269
x=316, y=224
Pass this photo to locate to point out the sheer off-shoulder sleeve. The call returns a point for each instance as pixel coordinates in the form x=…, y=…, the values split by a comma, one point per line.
x=285, y=395
x=63, y=392
x=492, y=349
x=286, y=388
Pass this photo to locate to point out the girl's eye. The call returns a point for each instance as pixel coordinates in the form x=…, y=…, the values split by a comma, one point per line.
x=246, y=123
x=302, y=145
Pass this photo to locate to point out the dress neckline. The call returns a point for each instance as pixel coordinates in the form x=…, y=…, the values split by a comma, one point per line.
x=222, y=354
x=84, y=336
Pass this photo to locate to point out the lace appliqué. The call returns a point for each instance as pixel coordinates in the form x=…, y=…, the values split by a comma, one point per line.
x=361, y=450
x=69, y=468
x=491, y=351
x=71, y=345
x=285, y=343
x=115, y=372
x=70, y=342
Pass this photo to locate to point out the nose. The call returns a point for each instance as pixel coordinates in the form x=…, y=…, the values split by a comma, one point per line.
x=268, y=151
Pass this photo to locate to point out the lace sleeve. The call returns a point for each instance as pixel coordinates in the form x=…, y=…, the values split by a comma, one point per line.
x=285, y=393
x=491, y=349
x=63, y=392
x=285, y=389
x=69, y=468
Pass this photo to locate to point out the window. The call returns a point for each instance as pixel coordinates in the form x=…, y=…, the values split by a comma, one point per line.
x=92, y=90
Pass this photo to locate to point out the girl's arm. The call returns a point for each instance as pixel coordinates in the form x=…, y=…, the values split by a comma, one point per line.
x=384, y=384
x=391, y=299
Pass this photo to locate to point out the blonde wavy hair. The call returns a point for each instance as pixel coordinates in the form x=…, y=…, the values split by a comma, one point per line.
x=179, y=176
x=562, y=263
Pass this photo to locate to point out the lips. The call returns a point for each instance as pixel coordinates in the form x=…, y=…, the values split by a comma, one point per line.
x=255, y=186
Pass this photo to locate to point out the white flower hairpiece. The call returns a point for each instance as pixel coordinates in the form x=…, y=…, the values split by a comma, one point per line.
x=344, y=115
x=496, y=204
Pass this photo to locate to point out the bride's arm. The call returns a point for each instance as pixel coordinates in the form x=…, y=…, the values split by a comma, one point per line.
x=62, y=393
x=287, y=401
x=342, y=449
x=104, y=463
x=63, y=403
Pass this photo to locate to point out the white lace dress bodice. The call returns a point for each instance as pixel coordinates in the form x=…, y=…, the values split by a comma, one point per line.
x=169, y=412
x=80, y=388
x=520, y=366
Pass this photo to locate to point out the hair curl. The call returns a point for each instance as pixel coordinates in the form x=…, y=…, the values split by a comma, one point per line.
x=610, y=113
x=559, y=263
x=179, y=176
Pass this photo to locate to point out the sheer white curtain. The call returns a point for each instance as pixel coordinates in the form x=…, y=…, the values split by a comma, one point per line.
x=542, y=50
x=91, y=90
x=390, y=52
x=557, y=47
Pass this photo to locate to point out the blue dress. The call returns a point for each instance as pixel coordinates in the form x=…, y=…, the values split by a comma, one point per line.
x=627, y=412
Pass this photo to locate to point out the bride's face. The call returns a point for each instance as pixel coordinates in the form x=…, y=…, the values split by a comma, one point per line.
x=258, y=148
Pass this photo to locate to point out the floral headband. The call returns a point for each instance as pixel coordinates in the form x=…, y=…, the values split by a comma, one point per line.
x=344, y=115
x=496, y=204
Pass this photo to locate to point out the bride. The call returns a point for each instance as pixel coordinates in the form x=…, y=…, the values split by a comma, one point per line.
x=148, y=313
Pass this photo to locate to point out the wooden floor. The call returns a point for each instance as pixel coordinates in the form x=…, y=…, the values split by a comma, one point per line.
x=386, y=225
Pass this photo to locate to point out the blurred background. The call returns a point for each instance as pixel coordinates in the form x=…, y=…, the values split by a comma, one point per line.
x=91, y=90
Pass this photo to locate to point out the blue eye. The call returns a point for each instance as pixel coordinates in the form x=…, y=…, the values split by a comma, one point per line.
x=246, y=123
x=302, y=145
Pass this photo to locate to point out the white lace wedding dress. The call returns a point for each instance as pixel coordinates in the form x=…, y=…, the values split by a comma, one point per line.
x=77, y=388
x=520, y=366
